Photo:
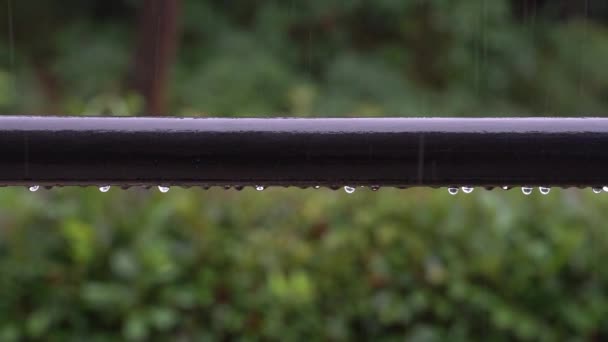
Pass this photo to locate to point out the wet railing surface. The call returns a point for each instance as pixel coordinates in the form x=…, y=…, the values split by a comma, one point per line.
x=372, y=152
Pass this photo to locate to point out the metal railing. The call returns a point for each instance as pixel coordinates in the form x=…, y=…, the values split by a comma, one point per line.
x=400, y=152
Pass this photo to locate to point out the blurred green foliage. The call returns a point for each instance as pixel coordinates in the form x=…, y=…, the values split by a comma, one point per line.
x=291, y=264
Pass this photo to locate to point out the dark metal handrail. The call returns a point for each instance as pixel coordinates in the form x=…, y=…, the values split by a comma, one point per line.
x=400, y=152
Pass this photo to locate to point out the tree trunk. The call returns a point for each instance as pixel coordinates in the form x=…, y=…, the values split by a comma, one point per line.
x=156, y=48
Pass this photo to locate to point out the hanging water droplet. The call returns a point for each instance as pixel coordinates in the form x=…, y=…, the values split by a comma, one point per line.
x=597, y=190
x=349, y=189
x=105, y=188
x=544, y=190
x=452, y=190
x=163, y=189
x=34, y=188
x=375, y=187
x=467, y=189
x=526, y=190
x=259, y=188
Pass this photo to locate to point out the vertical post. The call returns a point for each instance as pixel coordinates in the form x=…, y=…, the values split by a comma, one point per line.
x=156, y=47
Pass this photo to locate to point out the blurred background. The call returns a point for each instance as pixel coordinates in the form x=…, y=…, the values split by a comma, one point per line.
x=292, y=264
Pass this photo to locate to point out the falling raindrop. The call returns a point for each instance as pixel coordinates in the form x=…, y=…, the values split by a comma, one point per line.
x=526, y=190
x=467, y=190
x=597, y=190
x=544, y=190
x=259, y=188
x=349, y=189
x=34, y=188
x=453, y=190
x=163, y=189
x=105, y=188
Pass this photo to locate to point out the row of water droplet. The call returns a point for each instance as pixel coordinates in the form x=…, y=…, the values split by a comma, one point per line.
x=526, y=190
x=105, y=188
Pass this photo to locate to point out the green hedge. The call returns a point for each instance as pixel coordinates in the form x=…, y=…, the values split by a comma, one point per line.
x=295, y=264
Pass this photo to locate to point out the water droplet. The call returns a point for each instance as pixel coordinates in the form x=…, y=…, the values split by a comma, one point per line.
x=349, y=189
x=526, y=190
x=453, y=190
x=259, y=188
x=34, y=188
x=544, y=190
x=467, y=189
x=375, y=187
x=163, y=189
x=597, y=190
x=105, y=188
